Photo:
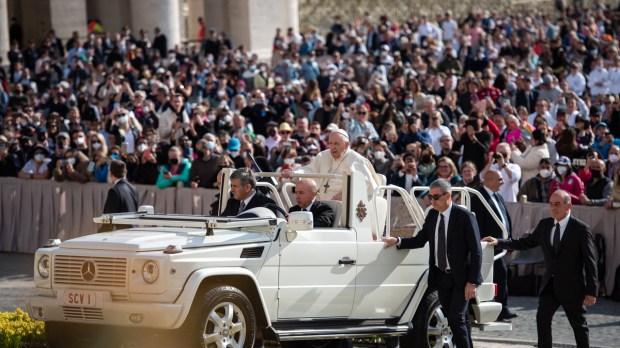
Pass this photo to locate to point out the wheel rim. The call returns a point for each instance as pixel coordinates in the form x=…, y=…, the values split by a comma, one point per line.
x=225, y=327
x=439, y=333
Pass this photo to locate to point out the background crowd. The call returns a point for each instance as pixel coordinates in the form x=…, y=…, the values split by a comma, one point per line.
x=535, y=96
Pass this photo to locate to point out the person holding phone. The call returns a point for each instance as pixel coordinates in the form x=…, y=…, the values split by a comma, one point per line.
x=175, y=171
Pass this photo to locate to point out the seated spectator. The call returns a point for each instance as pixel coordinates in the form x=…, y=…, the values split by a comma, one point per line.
x=614, y=200
x=382, y=157
x=470, y=177
x=412, y=134
x=36, y=168
x=567, y=180
x=613, y=161
x=599, y=187
x=446, y=143
x=446, y=169
x=176, y=171
x=9, y=165
x=537, y=187
x=406, y=173
x=204, y=168
x=305, y=195
x=74, y=167
x=529, y=160
x=437, y=130
x=244, y=194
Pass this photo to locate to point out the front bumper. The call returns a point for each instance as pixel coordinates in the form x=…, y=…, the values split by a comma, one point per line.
x=144, y=315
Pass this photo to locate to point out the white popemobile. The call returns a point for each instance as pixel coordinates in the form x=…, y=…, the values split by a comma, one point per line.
x=206, y=281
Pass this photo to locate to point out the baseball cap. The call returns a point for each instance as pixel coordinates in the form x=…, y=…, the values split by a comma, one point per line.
x=563, y=161
x=307, y=105
x=233, y=144
x=271, y=124
x=601, y=124
x=63, y=134
x=595, y=110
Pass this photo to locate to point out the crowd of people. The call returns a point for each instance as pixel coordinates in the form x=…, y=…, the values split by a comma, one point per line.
x=534, y=96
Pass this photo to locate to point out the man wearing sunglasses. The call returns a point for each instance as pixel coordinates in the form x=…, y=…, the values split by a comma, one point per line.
x=455, y=256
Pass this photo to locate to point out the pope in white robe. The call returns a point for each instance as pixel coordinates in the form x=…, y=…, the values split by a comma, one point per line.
x=335, y=160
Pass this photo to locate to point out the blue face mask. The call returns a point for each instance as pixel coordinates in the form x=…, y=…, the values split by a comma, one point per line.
x=316, y=103
x=408, y=102
x=114, y=156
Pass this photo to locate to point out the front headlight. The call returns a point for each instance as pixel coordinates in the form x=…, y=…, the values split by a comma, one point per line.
x=150, y=272
x=43, y=266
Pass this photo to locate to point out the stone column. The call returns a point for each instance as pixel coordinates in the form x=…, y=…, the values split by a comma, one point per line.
x=113, y=14
x=4, y=31
x=196, y=9
x=164, y=14
x=68, y=16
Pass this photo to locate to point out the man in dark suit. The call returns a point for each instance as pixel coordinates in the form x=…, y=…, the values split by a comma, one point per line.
x=526, y=96
x=455, y=256
x=488, y=227
x=122, y=197
x=570, y=278
x=305, y=194
x=244, y=194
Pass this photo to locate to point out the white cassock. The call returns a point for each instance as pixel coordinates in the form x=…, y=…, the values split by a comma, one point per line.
x=350, y=160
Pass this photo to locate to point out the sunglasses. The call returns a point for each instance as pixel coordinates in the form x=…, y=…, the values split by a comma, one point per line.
x=284, y=132
x=437, y=196
x=361, y=112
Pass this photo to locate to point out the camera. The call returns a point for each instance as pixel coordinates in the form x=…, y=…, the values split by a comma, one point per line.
x=497, y=155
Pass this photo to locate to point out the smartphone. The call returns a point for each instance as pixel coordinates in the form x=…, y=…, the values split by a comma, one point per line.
x=579, y=162
x=124, y=148
x=91, y=167
x=286, y=143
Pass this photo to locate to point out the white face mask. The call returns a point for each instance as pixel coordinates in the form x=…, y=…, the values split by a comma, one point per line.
x=80, y=140
x=71, y=161
x=142, y=147
x=96, y=146
x=562, y=170
x=613, y=158
x=233, y=153
x=211, y=117
x=289, y=161
x=545, y=173
x=39, y=157
x=379, y=155
x=122, y=119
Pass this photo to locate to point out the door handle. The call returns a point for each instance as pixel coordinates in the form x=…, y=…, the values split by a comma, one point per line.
x=346, y=261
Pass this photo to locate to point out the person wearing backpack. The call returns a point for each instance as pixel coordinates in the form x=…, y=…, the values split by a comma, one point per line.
x=571, y=278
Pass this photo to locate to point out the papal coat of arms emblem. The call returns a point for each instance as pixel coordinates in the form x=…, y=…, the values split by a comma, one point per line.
x=361, y=211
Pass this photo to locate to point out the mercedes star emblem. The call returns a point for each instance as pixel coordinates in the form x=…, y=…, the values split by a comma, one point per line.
x=89, y=270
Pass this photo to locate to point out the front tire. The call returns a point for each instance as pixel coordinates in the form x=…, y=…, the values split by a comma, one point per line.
x=430, y=326
x=224, y=318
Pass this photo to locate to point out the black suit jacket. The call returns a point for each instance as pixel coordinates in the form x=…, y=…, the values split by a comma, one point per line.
x=486, y=223
x=462, y=246
x=259, y=200
x=122, y=198
x=521, y=99
x=322, y=214
x=573, y=271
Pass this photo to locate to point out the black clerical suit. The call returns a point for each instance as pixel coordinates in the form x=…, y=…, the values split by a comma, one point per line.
x=570, y=275
x=322, y=214
x=258, y=200
x=488, y=227
x=122, y=198
x=464, y=256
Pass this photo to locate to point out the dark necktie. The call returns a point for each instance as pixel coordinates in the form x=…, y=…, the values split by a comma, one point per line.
x=442, y=263
x=556, y=239
x=502, y=210
x=241, y=207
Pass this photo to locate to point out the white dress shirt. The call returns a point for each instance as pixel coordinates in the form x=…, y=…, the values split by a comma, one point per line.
x=563, y=224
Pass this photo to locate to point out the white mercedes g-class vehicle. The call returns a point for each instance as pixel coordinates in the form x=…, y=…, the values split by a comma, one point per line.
x=210, y=281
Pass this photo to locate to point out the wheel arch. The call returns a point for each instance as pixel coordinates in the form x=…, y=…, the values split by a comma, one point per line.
x=206, y=279
x=414, y=303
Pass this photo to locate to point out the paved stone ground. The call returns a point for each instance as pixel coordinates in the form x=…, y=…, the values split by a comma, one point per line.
x=16, y=275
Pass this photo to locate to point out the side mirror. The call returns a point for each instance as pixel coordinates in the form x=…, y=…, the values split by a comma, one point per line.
x=299, y=221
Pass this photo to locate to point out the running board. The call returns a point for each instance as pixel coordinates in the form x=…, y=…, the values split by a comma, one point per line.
x=318, y=333
x=494, y=326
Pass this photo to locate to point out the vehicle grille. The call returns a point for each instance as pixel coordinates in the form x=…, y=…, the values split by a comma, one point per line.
x=82, y=313
x=110, y=272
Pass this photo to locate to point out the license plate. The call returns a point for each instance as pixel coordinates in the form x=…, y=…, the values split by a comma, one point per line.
x=81, y=298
